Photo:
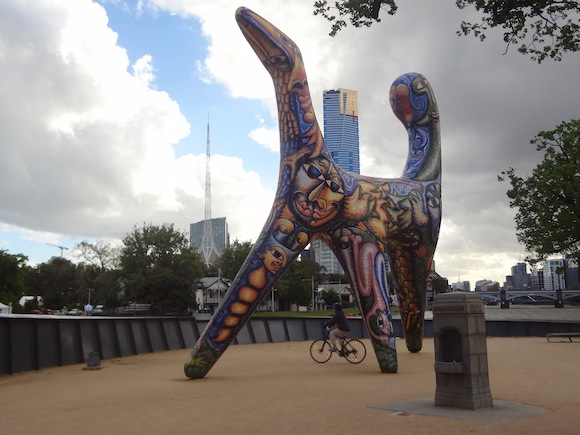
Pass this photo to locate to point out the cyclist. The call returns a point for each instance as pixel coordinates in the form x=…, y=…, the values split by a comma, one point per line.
x=339, y=319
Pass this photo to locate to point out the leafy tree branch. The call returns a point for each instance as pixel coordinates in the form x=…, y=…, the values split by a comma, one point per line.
x=541, y=29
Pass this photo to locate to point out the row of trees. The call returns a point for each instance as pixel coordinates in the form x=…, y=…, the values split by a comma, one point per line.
x=154, y=264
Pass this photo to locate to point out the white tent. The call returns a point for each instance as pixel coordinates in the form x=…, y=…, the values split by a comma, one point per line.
x=5, y=309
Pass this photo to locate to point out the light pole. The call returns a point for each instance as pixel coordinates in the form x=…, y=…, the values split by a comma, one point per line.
x=311, y=280
x=313, y=300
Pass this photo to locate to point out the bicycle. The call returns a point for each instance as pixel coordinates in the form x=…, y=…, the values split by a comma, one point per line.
x=353, y=350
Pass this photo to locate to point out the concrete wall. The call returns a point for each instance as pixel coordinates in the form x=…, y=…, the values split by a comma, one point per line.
x=29, y=342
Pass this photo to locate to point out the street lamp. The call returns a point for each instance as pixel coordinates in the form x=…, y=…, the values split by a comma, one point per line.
x=311, y=280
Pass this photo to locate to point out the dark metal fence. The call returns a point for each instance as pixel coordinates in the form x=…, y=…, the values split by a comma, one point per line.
x=29, y=342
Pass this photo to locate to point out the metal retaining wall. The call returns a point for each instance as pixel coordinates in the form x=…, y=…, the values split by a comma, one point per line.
x=29, y=342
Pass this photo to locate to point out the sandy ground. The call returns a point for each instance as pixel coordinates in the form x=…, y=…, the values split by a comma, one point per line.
x=278, y=389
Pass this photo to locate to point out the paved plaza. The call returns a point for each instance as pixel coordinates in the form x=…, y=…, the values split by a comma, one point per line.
x=278, y=389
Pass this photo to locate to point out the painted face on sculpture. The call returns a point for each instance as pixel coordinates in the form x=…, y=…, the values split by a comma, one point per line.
x=318, y=192
x=433, y=196
x=274, y=259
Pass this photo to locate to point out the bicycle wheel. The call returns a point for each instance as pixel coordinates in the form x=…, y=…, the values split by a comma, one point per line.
x=320, y=351
x=354, y=351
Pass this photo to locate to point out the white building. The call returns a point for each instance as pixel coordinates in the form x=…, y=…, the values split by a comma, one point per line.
x=555, y=274
x=321, y=254
x=210, y=293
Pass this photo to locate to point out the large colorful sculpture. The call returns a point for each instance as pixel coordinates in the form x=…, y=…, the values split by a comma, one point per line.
x=366, y=221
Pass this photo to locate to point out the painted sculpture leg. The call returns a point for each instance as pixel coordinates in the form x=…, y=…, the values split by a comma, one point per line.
x=263, y=267
x=368, y=222
x=364, y=262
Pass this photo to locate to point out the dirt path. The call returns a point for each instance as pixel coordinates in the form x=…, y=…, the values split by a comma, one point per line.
x=278, y=389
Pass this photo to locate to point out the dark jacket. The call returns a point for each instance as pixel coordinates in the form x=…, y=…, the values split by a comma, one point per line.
x=339, y=319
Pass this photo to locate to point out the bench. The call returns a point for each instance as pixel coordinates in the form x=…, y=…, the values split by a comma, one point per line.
x=568, y=335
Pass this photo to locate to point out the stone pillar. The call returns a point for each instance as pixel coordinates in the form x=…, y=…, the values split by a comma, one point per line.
x=461, y=369
x=504, y=302
x=559, y=299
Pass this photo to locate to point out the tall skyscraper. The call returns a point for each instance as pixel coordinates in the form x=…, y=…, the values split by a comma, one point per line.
x=520, y=276
x=341, y=127
x=341, y=137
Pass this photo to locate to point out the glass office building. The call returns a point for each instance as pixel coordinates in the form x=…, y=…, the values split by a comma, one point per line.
x=341, y=137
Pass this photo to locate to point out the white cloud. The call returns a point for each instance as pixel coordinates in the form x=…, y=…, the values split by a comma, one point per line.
x=143, y=70
x=267, y=136
x=88, y=142
x=89, y=145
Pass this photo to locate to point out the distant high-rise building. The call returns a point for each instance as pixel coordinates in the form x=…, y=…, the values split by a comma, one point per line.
x=219, y=234
x=464, y=286
x=537, y=279
x=341, y=137
x=324, y=256
x=572, y=275
x=554, y=274
x=520, y=276
x=341, y=134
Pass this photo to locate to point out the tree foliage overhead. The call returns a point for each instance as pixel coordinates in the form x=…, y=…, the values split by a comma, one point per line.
x=358, y=12
x=159, y=267
x=540, y=28
x=548, y=201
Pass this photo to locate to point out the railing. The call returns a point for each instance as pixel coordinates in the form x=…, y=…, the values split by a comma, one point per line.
x=514, y=294
x=34, y=342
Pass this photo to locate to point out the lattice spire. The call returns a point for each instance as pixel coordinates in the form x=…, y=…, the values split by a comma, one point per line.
x=208, y=248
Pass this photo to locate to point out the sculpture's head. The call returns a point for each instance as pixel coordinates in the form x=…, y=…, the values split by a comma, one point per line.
x=279, y=54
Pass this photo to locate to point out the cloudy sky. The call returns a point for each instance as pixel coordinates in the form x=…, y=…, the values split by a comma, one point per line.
x=104, y=108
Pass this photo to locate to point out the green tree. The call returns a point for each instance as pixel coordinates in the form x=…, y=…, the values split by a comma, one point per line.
x=330, y=296
x=233, y=257
x=99, y=254
x=295, y=285
x=548, y=201
x=542, y=29
x=57, y=283
x=100, y=272
x=159, y=267
x=358, y=12
x=13, y=272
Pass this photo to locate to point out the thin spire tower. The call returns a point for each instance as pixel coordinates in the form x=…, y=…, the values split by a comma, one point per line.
x=208, y=248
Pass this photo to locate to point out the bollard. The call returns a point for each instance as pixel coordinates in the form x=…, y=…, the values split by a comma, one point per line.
x=461, y=368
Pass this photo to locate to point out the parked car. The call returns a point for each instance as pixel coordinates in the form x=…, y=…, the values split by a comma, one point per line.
x=74, y=312
x=99, y=310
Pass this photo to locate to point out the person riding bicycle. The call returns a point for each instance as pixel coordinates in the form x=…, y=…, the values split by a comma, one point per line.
x=339, y=319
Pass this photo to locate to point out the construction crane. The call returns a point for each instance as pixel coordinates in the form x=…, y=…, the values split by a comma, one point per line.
x=62, y=248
